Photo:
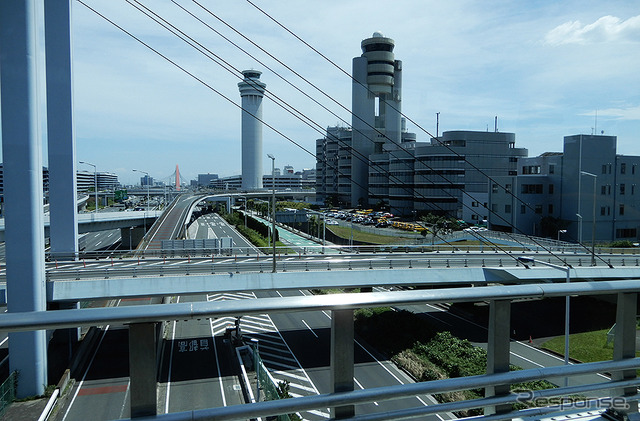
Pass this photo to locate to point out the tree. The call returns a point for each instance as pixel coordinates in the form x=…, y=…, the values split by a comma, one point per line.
x=437, y=224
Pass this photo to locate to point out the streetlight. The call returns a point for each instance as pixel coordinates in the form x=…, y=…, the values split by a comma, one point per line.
x=147, y=207
x=567, y=270
x=273, y=207
x=95, y=180
x=561, y=232
x=245, y=211
x=593, y=223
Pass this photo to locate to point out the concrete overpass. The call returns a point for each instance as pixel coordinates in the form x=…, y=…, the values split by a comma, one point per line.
x=101, y=221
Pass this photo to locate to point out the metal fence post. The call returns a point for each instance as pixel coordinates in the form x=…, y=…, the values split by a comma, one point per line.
x=142, y=369
x=498, y=349
x=625, y=341
x=342, y=341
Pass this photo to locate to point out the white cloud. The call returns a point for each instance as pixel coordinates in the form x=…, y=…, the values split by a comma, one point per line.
x=629, y=113
x=606, y=29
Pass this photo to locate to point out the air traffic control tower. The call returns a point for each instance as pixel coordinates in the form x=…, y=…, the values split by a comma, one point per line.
x=251, y=92
x=376, y=107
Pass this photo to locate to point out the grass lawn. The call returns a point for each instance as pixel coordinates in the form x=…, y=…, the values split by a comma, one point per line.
x=586, y=347
x=366, y=237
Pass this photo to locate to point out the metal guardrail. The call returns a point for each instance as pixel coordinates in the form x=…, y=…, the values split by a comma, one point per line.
x=8, y=391
x=296, y=263
x=623, y=366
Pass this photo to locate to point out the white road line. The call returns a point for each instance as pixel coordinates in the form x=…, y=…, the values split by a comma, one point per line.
x=5, y=339
x=124, y=402
x=289, y=374
x=84, y=376
x=362, y=387
x=305, y=323
x=173, y=337
x=215, y=350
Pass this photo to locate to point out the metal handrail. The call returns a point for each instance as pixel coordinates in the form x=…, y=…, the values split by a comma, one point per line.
x=261, y=409
x=60, y=319
x=197, y=310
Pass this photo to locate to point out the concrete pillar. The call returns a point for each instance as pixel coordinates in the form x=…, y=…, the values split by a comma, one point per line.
x=498, y=349
x=60, y=131
x=342, y=358
x=142, y=369
x=625, y=341
x=21, y=86
x=63, y=231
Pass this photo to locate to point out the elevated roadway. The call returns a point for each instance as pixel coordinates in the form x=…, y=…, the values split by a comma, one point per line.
x=128, y=278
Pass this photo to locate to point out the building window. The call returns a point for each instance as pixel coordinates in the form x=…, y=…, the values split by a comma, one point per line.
x=531, y=169
x=550, y=188
x=550, y=208
x=523, y=209
x=507, y=187
x=512, y=172
x=603, y=190
x=623, y=168
x=622, y=188
x=633, y=189
x=494, y=208
x=531, y=189
x=609, y=189
x=621, y=210
x=474, y=217
x=552, y=169
x=474, y=204
x=494, y=188
x=609, y=168
x=507, y=208
x=513, y=159
x=604, y=169
x=626, y=233
x=633, y=169
x=608, y=210
x=603, y=210
x=538, y=208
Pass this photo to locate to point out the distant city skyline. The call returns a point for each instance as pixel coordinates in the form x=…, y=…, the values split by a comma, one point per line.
x=543, y=68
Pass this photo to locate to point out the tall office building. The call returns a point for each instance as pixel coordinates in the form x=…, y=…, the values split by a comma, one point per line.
x=376, y=106
x=588, y=190
x=251, y=92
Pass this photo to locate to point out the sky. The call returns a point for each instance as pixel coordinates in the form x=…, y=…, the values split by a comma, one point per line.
x=545, y=68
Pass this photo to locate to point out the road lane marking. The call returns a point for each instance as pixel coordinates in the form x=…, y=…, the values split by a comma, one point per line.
x=305, y=323
x=84, y=376
x=362, y=387
x=173, y=337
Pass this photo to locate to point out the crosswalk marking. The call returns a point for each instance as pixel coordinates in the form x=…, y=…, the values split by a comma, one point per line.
x=274, y=351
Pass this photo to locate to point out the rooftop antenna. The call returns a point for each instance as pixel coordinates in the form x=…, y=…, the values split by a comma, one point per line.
x=495, y=125
x=596, y=124
x=437, y=124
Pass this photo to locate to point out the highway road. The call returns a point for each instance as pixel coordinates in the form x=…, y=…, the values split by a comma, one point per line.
x=294, y=347
x=195, y=364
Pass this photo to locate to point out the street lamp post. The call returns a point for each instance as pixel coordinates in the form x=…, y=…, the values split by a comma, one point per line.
x=146, y=207
x=567, y=302
x=245, y=211
x=95, y=180
x=561, y=232
x=273, y=208
x=593, y=223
